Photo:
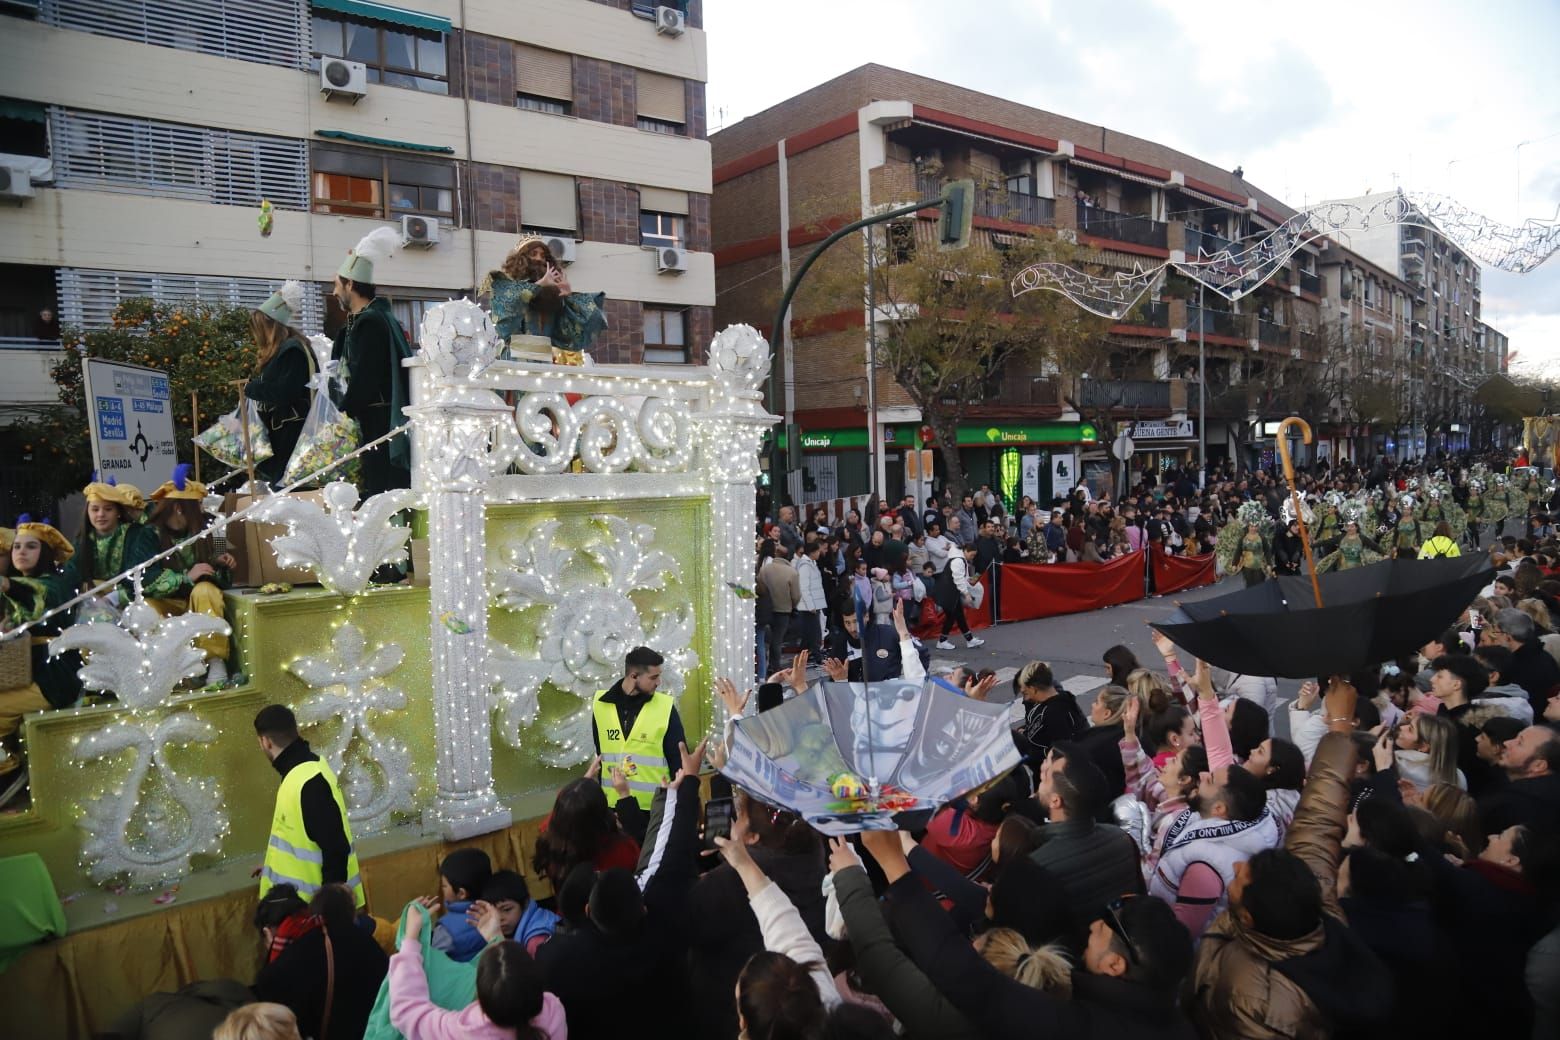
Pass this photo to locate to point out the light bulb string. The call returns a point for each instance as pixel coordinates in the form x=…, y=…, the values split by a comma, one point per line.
x=135, y=574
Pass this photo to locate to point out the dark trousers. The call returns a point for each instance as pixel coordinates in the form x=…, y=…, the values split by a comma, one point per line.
x=779, y=624
x=953, y=614
x=811, y=634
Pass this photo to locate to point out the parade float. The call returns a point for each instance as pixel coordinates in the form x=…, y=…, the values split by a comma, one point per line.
x=568, y=515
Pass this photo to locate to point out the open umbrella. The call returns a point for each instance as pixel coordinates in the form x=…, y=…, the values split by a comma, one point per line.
x=850, y=757
x=1374, y=613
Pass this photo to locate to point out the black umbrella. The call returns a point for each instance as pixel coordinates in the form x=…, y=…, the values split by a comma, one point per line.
x=1374, y=613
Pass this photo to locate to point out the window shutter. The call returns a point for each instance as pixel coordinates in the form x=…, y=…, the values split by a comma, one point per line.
x=87, y=298
x=274, y=32
x=661, y=97
x=660, y=200
x=547, y=200
x=548, y=74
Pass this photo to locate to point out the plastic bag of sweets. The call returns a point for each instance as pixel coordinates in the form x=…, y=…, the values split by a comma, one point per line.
x=328, y=435
x=223, y=440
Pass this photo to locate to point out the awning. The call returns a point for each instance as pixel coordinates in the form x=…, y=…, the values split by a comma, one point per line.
x=1123, y=174
x=28, y=111
x=972, y=135
x=374, y=12
x=1211, y=199
x=384, y=142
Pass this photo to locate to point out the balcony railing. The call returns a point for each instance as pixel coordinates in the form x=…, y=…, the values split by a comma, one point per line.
x=1311, y=283
x=1121, y=227
x=928, y=185
x=1149, y=315
x=1216, y=323
x=1206, y=244
x=1273, y=333
x=1016, y=207
x=1124, y=393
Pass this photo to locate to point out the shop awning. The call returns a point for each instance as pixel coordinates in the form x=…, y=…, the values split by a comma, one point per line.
x=384, y=142
x=384, y=13
x=1123, y=174
x=29, y=111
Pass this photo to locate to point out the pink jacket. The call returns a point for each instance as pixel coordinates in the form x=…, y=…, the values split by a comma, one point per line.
x=420, y=1019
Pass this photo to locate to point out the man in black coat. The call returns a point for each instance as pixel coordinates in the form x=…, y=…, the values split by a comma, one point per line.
x=1532, y=668
x=370, y=347
x=1531, y=797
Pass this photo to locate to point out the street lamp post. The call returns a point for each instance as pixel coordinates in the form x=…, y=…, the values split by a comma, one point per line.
x=1202, y=391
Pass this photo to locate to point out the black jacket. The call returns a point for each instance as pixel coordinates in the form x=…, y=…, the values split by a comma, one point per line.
x=723, y=933
x=1536, y=672
x=321, y=815
x=1103, y=745
x=628, y=709
x=1097, y=862
x=281, y=390
x=297, y=979
x=1534, y=802
x=605, y=980
x=1001, y=1006
x=1048, y=723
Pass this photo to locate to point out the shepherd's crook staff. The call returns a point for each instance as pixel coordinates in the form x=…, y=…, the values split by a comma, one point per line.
x=1294, y=496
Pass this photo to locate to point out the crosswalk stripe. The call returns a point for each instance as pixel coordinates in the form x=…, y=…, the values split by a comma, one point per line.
x=1083, y=683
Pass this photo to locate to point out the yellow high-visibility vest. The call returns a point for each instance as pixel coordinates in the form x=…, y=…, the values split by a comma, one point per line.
x=291, y=857
x=638, y=754
x=1439, y=547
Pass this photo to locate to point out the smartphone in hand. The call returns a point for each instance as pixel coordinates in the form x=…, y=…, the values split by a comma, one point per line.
x=718, y=814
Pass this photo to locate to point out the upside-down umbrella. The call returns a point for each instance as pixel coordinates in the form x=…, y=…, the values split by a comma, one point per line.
x=850, y=757
x=1374, y=613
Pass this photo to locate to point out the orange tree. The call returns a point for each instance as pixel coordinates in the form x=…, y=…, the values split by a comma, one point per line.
x=203, y=348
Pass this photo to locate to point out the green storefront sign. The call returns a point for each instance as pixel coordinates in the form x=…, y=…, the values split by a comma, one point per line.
x=824, y=440
x=971, y=435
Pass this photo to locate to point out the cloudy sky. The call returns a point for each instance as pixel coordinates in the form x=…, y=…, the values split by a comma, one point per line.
x=1325, y=100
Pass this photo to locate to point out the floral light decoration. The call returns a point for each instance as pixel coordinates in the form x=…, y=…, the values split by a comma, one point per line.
x=146, y=827
x=341, y=544
x=375, y=771
x=590, y=623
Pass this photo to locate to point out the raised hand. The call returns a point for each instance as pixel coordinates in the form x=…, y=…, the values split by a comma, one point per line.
x=593, y=771
x=980, y=689
x=1384, y=752
x=484, y=916
x=1202, y=678
x=899, y=620
x=1162, y=643
x=620, y=784
x=692, y=761
x=1129, y=718
x=735, y=702
x=837, y=670
x=1338, y=704
x=1310, y=693
x=842, y=856
x=798, y=675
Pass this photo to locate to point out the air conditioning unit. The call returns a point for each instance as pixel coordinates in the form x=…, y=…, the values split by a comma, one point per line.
x=419, y=232
x=669, y=21
x=341, y=78
x=562, y=249
x=670, y=260
x=15, y=183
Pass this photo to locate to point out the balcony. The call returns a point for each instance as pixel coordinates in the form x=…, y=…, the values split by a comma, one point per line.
x=928, y=186
x=1016, y=208
x=1412, y=252
x=1272, y=333
x=1205, y=244
x=1125, y=393
x=1121, y=227
x=1214, y=323
x=1311, y=283
x=1149, y=315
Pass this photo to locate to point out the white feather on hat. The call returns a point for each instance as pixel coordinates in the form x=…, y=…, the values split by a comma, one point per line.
x=377, y=244
x=291, y=293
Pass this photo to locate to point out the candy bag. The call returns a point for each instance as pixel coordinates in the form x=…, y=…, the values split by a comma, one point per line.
x=223, y=440
x=328, y=434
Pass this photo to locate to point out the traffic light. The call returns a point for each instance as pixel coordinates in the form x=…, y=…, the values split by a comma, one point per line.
x=953, y=226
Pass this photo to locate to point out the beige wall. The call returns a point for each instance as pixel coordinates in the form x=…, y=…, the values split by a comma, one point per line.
x=595, y=30
x=537, y=141
x=27, y=379
x=104, y=231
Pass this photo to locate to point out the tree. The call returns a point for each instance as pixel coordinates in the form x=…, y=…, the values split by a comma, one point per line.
x=954, y=326
x=203, y=348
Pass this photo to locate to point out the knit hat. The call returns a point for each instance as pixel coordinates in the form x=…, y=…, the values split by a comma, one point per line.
x=45, y=532
x=111, y=490
x=180, y=487
x=373, y=247
x=282, y=305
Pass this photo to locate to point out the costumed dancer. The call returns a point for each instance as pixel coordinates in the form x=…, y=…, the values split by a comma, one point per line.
x=192, y=579
x=370, y=348
x=1246, y=546
x=111, y=543
x=1474, y=510
x=1497, y=504
x=26, y=593
x=1532, y=490
x=532, y=297
x=1441, y=506
x=1354, y=549
x=280, y=386
x=1327, y=526
x=1411, y=532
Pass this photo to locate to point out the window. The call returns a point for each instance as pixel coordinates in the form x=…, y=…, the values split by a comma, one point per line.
x=666, y=341
x=24, y=128
x=375, y=184
x=544, y=80
x=396, y=56
x=660, y=229
x=661, y=103
x=547, y=201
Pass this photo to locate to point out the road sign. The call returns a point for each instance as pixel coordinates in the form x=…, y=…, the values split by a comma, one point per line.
x=1123, y=447
x=130, y=414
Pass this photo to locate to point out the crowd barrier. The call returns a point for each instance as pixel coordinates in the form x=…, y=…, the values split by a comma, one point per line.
x=1026, y=591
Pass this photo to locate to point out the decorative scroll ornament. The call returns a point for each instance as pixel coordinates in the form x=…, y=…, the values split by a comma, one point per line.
x=607, y=434
x=375, y=772
x=1237, y=272
x=458, y=339
x=147, y=827
x=590, y=623
x=341, y=544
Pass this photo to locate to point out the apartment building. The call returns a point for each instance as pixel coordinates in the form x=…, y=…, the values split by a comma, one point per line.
x=1372, y=376
x=785, y=177
x=139, y=137
x=1445, y=344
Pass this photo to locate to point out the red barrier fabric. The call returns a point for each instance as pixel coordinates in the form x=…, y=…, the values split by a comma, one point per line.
x=1037, y=590
x=930, y=625
x=1179, y=573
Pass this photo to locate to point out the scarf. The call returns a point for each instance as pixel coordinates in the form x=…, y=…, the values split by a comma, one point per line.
x=1219, y=843
x=292, y=928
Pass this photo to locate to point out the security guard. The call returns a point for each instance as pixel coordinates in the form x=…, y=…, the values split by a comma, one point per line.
x=311, y=840
x=637, y=729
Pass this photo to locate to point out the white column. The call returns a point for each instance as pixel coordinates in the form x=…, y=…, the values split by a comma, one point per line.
x=730, y=425
x=465, y=436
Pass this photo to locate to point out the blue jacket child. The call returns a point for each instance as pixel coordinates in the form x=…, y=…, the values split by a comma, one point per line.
x=462, y=877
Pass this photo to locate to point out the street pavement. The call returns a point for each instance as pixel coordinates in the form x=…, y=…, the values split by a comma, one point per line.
x=1074, y=645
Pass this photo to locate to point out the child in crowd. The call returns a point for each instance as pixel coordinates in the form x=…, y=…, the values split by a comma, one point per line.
x=522, y=918
x=463, y=875
x=193, y=578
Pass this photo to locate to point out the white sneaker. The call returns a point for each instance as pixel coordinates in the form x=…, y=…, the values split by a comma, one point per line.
x=216, y=672
x=974, y=641
x=943, y=644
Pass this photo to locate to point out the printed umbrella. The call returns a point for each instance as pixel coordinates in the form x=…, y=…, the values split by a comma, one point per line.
x=850, y=757
x=1373, y=613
